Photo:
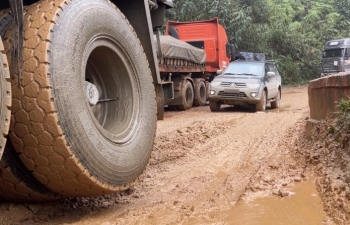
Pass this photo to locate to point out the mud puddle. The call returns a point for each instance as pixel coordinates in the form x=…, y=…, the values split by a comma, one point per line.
x=303, y=206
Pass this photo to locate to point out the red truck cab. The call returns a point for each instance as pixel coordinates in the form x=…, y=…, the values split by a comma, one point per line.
x=208, y=35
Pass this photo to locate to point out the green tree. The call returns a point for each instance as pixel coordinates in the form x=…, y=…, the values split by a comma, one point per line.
x=293, y=32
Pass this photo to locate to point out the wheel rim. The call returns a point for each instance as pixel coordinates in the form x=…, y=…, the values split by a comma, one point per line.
x=108, y=76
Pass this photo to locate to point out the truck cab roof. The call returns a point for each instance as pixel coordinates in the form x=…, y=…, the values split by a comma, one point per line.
x=339, y=43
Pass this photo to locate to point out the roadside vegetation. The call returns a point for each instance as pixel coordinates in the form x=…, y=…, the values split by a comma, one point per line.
x=292, y=32
x=340, y=129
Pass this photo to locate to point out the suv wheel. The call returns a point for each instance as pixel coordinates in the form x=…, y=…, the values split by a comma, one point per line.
x=261, y=106
x=276, y=104
x=214, y=106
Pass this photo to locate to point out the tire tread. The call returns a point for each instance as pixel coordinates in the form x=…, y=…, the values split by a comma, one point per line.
x=5, y=98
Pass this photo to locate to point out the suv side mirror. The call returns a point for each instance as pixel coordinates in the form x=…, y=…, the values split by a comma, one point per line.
x=271, y=74
x=219, y=72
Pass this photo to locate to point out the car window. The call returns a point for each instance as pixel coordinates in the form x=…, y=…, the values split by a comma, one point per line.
x=333, y=53
x=269, y=67
x=254, y=69
x=276, y=70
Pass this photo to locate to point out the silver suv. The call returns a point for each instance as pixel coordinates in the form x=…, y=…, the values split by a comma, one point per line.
x=246, y=83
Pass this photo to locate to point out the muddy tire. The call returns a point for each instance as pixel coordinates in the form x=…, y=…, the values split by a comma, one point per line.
x=17, y=184
x=214, y=106
x=187, y=96
x=200, y=93
x=276, y=104
x=74, y=145
x=5, y=98
x=261, y=106
x=160, y=102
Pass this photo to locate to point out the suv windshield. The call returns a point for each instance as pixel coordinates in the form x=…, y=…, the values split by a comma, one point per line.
x=253, y=69
x=333, y=53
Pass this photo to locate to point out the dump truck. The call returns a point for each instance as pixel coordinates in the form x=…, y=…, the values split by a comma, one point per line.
x=189, y=55
x=79, y=85
x=336, y=57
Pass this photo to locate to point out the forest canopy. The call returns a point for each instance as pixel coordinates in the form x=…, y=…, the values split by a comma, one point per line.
x=291, y=32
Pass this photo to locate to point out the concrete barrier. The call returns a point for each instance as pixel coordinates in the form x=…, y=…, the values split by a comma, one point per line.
x=325, y=92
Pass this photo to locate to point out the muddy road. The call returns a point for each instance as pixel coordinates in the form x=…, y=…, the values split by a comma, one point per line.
x=206, y=168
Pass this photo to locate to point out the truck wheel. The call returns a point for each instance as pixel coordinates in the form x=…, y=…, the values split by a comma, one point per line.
x=17, y=183
x=214, y=106
x=85, y=118
x=5, y=98
x=276, y=104
x=200, y=93
x=187, y=96
x=160, y=103
x=261, y=106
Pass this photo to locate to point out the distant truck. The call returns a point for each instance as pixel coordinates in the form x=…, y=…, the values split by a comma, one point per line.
x=336, y=57
x=189, y=56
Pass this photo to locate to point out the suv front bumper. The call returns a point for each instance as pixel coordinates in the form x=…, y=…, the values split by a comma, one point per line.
x=235, y=96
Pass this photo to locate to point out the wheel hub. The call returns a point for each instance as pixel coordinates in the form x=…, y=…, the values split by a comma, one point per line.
x=92, y=93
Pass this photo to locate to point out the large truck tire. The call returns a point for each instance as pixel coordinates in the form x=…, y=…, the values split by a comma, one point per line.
x=17, y=184
x=5, y=98
x=200, y=91
x=84, y=121
x=187, y=96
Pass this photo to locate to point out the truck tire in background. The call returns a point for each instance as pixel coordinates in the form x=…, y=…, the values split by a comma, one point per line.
x=17, y=184
x=85, y=118
x=187, y=96
x=200, y=91
x=5, y=98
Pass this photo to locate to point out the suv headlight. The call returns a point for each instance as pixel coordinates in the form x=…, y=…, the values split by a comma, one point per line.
x=215, y=83
x=251, y=86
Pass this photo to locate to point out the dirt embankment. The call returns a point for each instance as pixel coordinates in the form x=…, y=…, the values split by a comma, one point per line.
x=327, y=153
x=203, y=165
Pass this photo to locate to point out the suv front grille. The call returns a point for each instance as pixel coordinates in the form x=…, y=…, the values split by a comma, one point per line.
x=226, y=84
x=229, y=84
x=235, y=95
x=240, y=85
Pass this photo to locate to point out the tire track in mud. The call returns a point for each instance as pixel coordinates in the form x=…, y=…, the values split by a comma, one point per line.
x=201, y=184
x=174, y=145
x=234, y=162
